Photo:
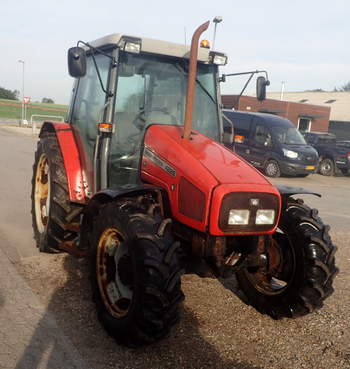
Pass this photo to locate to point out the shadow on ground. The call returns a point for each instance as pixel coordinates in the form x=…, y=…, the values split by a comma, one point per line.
x=72, y=307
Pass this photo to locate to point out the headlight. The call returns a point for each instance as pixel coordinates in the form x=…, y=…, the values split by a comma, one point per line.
x=238, y=217
x=290, y=154
x=265, y=216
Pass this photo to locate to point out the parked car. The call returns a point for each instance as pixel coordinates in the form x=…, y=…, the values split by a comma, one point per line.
x=272, y=143
x=333, y=155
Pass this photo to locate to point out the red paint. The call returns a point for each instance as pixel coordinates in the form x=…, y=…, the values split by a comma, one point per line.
x=209, y=166
x=71, y=160
x=167, y=145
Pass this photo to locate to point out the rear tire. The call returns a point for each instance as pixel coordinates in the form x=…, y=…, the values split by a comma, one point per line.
x=50, y=197
x=272, y=169
x=304, y=276
x=344, y=171
x=327, y=167
x=135, y=274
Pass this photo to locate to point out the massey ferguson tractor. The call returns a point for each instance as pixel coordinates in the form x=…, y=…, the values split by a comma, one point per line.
x=139, y=181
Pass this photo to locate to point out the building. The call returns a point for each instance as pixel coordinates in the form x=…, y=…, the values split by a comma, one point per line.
x=306, y=117
x=339, y=102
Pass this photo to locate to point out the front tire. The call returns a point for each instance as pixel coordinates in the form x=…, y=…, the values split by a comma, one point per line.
x=51, y=206
x=135, y=275
x=302, y=266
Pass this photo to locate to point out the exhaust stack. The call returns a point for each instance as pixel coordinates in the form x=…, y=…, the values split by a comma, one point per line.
x=191, y=79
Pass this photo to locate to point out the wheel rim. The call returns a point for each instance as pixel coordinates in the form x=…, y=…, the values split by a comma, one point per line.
x=326, y=167
x=114, y=276
x=42, y=193
x=281, y=265
x=271, y=169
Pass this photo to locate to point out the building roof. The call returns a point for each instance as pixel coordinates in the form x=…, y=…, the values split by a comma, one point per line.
x=339, y=102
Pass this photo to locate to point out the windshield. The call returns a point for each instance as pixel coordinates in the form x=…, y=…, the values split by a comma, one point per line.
x=289, y=136
x=152, y=90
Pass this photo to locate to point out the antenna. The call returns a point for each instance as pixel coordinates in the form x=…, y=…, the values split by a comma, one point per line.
x=216, y=20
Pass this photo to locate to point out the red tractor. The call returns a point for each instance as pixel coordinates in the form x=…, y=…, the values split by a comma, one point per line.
x=139, y=181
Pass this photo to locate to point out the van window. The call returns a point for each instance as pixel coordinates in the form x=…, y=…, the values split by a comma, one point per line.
x=288, y=135
x=262, y=136
x=241, y=123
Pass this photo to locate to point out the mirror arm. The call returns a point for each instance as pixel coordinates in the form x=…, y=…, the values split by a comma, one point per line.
x=109, y=93
x=246, y=84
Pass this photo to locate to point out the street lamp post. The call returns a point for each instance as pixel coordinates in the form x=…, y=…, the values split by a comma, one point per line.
x=23, y=112
x=216, y=20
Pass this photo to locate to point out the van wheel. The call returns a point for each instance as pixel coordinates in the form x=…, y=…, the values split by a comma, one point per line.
x=327, y=167
x=272, y=169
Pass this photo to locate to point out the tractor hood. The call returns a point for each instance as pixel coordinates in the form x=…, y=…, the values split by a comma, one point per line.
x=197, y=174
x=222, y=164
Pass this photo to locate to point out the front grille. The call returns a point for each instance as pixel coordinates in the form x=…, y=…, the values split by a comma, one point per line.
x=241, y=200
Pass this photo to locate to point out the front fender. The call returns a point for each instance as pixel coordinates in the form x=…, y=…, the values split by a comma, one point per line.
x=108, y=195
x=287, y=191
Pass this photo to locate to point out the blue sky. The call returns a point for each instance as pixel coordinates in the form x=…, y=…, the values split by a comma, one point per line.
x=306, y=43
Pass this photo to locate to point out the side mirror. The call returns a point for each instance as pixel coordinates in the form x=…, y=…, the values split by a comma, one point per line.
x=76, y=62
x=261, y=83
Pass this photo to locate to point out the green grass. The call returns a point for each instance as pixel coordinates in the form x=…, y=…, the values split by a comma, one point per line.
x=14, y=111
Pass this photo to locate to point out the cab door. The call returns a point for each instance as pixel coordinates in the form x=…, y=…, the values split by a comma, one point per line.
x=87, y=111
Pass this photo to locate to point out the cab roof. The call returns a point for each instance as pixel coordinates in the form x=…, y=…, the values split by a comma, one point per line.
x=149, y=45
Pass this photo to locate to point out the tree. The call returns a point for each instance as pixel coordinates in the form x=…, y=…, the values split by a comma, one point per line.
x=8, y=94
x=345, y=87
x=316, y=90
x=47, y=100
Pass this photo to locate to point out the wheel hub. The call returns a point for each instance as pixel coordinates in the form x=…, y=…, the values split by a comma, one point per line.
x=114, y=275
x=274, y=277
x=42, y=193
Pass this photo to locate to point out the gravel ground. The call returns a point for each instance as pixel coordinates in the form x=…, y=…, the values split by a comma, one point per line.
x=217, y=329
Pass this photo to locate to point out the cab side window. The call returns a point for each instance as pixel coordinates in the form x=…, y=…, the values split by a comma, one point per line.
x=262, y=136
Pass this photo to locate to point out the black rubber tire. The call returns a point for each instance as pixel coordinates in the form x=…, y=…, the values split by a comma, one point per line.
x=302, y=175
x=344, y=171
x=60, y=205
x=326, y=167
x=156, y=271
x=272, y=169
x=314, y=263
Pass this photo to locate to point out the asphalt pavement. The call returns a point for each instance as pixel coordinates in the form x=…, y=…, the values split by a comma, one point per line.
x=29, y=337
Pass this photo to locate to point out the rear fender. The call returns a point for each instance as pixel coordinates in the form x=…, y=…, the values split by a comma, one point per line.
x=71, y=160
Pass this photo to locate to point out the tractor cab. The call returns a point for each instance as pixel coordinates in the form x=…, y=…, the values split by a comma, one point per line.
x=125, y=84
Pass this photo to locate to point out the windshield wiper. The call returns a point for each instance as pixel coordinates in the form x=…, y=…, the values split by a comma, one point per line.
x=183, y=70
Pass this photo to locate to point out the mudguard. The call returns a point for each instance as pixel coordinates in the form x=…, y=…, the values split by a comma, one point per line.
x=70, y=154
x=108, y=195
x=287, y=191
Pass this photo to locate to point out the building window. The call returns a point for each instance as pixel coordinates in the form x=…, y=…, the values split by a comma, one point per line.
x=304, y=125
